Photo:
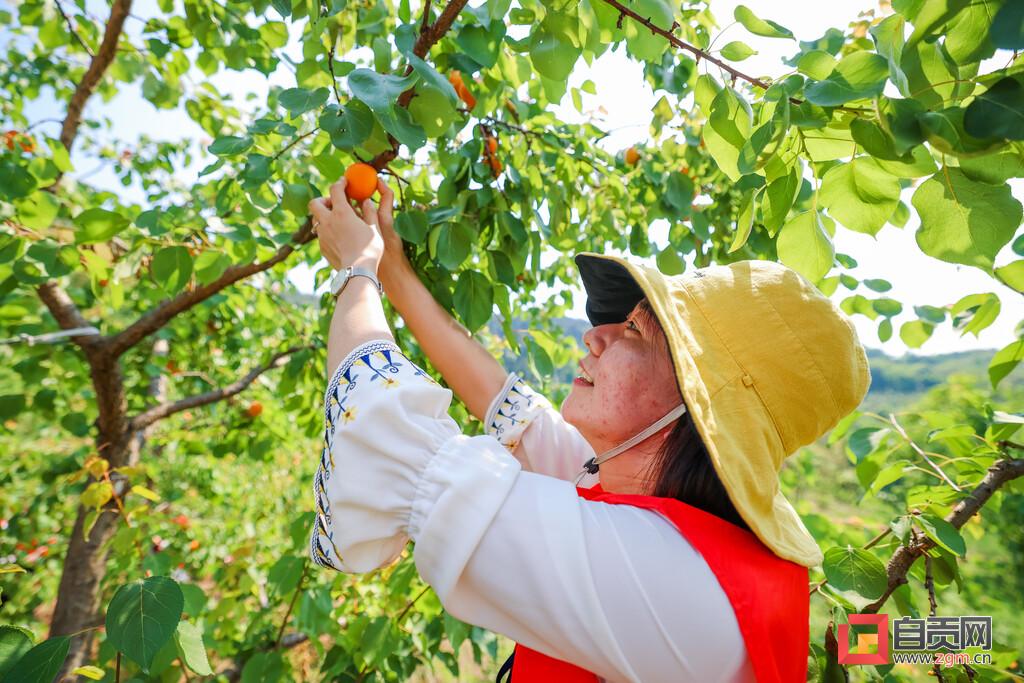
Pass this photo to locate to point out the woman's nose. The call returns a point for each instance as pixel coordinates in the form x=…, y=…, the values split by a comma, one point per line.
x=596, y=338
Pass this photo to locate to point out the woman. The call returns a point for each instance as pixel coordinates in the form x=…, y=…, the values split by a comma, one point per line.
x=684, y=562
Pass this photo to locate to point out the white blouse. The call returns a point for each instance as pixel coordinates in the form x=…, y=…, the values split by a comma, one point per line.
x=503, y=538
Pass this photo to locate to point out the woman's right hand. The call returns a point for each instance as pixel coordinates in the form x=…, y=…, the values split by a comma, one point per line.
x=394, y=255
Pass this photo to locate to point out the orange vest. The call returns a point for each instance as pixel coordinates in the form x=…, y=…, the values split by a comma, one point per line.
x=768, y=594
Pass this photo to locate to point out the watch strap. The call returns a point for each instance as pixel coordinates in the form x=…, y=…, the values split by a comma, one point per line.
x=353, y=271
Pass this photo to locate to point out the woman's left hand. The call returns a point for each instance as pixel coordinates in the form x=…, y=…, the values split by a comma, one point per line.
x=348, y=236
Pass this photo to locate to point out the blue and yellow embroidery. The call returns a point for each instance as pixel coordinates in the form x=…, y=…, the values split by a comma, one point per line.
x=376, y=364
x=514, y=413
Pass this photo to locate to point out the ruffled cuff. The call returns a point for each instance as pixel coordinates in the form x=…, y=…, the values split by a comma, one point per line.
x=512, y=410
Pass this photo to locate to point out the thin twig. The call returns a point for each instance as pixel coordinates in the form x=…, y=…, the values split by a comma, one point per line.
x=72, y=31
x=291, y=605
x=917, y=449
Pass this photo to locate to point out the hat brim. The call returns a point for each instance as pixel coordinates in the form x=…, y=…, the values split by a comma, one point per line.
x=614, y=286
x=612, y=292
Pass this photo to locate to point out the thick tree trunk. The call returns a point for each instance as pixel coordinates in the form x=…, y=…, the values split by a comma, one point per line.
x=85, y=563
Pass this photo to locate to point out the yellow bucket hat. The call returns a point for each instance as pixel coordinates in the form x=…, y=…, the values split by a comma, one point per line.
x=765, y=363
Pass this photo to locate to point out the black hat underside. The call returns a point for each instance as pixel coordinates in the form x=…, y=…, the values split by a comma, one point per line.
x=612, y=293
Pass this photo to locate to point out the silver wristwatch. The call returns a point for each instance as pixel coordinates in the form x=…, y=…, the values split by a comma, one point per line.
x=342, y=277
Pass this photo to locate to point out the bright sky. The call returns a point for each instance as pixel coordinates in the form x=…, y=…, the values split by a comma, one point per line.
x=627, y=102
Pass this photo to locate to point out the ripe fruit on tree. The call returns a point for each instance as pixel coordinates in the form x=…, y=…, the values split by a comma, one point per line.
x=632, y=156
x=254, y=409
x=362, y=181
x=492, y=144
x=455, y=78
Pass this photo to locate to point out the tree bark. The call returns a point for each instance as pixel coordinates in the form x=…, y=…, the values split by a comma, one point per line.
x=85, y=564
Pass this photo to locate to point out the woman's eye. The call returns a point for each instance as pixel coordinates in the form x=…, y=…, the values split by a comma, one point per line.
x=630, y=322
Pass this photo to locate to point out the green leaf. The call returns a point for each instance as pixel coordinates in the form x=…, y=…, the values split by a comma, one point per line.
x=295, y=199
x=737, y=51
x=93, y=673
x=727, y=130
x=860, y=195
x=914, y=333
x=379, y=91
x=929, y=17
x=412, y=226
x=760, y=27
x=454, y=241
x=945, y=131
x=669, y=261
x=816, y=64
x=998, y=112
x=964, y=221
x=553, y=54
x=778, y=200
x=932, y=77
x=857, y=76
x=943, y=533
x=14, y=643
x=995, y=169
x=432, y=111
x=15, y=181
x=474, y=299
x=1008, y=27
x=804, y=245
x=1004, y=362
x=300, y=100
x=431, y=79
x=482, y=44
x=1012, y=275
x=679, y=191
x=857, y=570
x=227, y=145
x=349, y=126
x=143, y=615
x=38, y=210
x=172, y=268
x=189, y=640
x=744, y=221
x=41, y=663
x=98, y=225
x=210, y=265
x=967, y=38
x=875, y=140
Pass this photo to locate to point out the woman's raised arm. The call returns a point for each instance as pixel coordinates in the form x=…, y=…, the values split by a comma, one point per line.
x=468, y=368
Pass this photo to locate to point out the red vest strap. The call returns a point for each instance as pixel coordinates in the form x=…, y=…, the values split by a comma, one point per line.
x=768, y=594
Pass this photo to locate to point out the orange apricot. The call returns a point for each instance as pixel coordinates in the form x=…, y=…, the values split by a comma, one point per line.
x=362, y=181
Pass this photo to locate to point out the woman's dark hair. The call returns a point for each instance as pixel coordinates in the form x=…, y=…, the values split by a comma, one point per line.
x=682, y=467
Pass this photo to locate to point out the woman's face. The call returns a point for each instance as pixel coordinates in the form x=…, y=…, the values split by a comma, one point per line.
x=634, y=385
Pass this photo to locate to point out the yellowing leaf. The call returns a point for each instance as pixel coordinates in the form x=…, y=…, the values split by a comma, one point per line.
x=148, y=494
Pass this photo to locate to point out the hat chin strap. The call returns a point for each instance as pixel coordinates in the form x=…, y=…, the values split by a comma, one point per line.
x=591, y=466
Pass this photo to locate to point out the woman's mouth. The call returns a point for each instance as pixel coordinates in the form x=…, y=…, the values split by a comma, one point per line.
x=583, y=379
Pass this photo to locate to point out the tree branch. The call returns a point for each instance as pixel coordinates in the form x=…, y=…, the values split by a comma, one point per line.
x=899, y=565
x=72, y=31
x=428, y=37
x=159, y=316
x=144, y=419
x=67, y=315
x=97, y=67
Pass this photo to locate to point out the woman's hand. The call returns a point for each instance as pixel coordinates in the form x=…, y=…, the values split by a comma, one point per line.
x=394, y=254
x=350, y=236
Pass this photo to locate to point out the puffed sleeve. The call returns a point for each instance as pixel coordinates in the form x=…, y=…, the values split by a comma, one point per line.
x=390, y=451
x=614, y=589
x=526, y=423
